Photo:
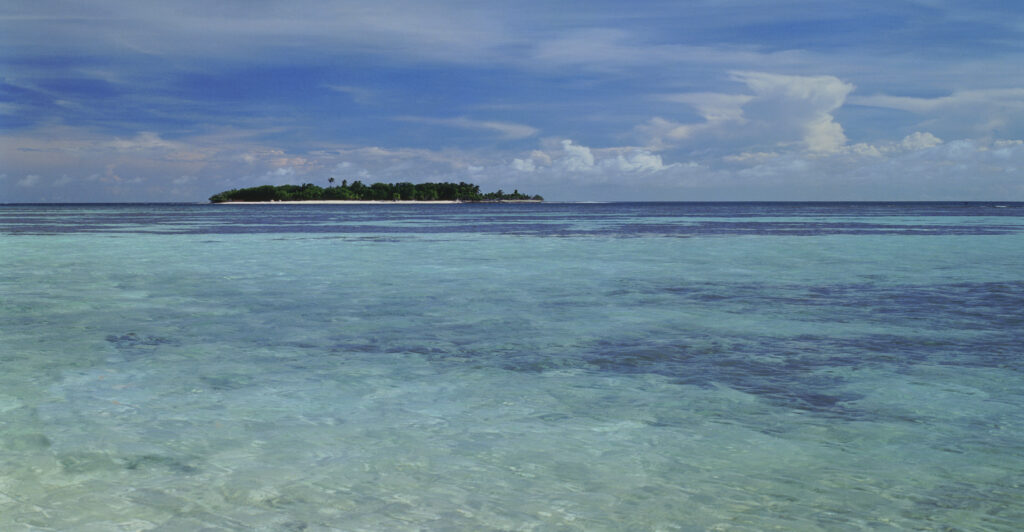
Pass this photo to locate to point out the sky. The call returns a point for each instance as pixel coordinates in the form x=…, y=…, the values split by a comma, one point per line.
x=681, y=100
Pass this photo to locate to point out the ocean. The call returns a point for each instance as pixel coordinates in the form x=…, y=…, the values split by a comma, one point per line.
x=555, y=366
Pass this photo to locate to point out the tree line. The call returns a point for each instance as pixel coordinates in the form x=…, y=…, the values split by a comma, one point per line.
x=357, y=191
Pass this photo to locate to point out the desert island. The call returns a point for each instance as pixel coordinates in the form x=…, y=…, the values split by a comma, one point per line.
x=357, y=192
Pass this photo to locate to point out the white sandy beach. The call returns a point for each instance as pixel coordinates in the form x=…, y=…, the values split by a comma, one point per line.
x=366, y=202
x=337, y=202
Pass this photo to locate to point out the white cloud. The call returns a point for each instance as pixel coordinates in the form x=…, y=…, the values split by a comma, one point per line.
x=505, y=129
x=576, y=158
x=719, y=111
x=639, y=161
x=712, y=106
x=864, y=148
x=146, y=140
x=779, y=109
x=537, y=159
x=30, y=180
x=913, y=142
x=920, y=167
x=920, y=140
x=358, y=94
x=659, y=133
x=404, y=28
x=982, y=112
x=750, y=156
x=1011, y=98
x=524, y=165
x=804, y=103
x=567, y=160
x=279, y=176
x=614, y=49
x=917, y=166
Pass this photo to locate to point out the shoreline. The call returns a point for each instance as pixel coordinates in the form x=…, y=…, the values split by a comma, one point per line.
x=366, y=202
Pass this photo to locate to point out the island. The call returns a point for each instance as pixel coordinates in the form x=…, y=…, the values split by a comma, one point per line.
x=377, y=192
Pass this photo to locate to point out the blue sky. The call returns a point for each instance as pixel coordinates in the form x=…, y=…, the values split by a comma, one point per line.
x=116, y=100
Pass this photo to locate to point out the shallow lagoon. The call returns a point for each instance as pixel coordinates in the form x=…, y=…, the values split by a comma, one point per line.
x=495, y=367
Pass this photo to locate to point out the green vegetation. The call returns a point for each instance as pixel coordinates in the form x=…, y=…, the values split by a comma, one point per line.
x=357, y=191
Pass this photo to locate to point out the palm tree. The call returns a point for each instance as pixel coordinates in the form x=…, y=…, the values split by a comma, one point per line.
x=331, y=180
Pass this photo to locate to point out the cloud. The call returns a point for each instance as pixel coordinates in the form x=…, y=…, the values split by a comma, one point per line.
x=568, y=161
x=779, y=109
x=1012, y=98
x=719, y=111
x=639, y=161
x=920, y=166
x=146, y=140
x=280, y=176
x=714, y=107
x=537, y=159
x=801, y=103
x=505, y=129
x=915, y=141
x=359, y=95
x=30, y=180
x=405, y=28
x=575, y=158
x=603, y=49
x=984, y=112
x=524, y=165
x=919, y=140
x=750, y=156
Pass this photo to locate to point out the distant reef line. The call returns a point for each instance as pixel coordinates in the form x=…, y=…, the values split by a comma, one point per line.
x=375, y=193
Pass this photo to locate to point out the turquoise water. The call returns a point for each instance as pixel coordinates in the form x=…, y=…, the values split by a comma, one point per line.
x=512, y=367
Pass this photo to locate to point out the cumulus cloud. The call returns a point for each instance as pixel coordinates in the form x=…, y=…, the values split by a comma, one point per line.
x=779, y=109
x=524, y=165
x=920, y=140
x=568, y=160
x=803, y=103
x=920, y=166
x=576, y=158
x=639, y=161
x=536, y=160
x=916, y=141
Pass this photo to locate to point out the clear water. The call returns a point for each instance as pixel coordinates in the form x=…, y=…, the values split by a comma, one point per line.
x=512, y=367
